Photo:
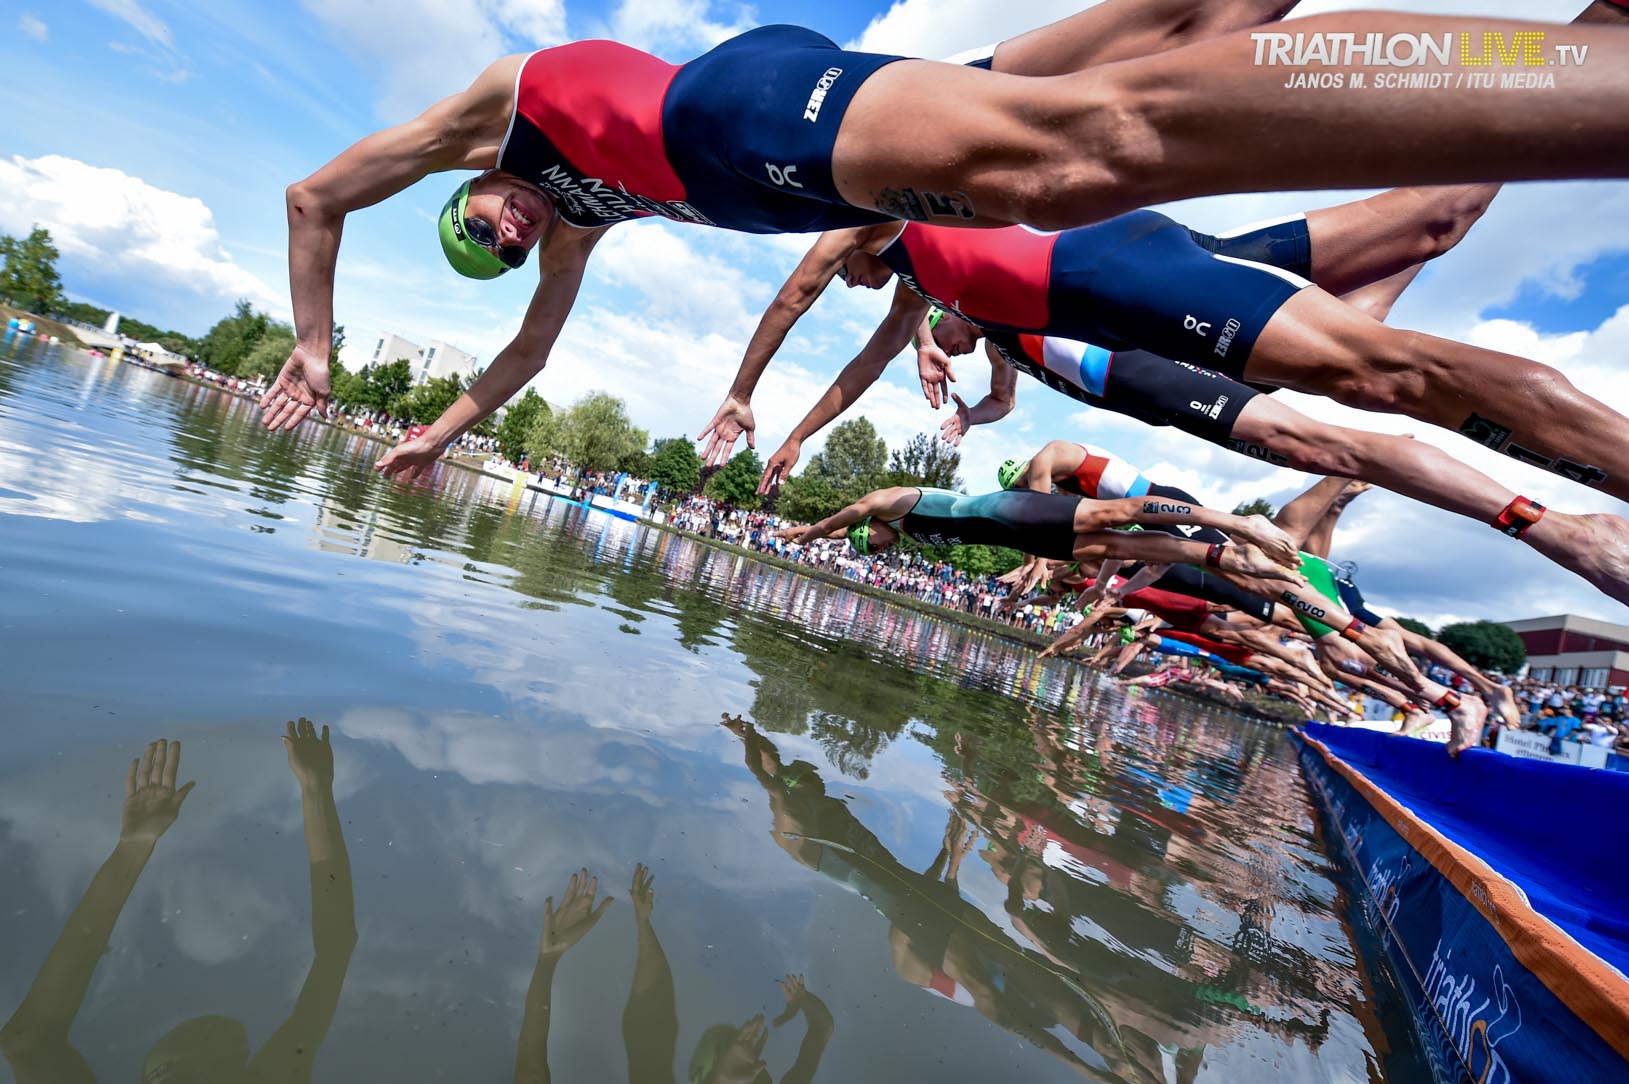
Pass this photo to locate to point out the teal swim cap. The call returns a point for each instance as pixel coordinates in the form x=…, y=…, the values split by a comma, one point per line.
x=1009, y=471
x=469, y=259
x=859, y=536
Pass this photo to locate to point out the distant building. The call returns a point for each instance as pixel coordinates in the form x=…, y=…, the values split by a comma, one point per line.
x=390, y=347
x=441, y=360
x=1573, y=650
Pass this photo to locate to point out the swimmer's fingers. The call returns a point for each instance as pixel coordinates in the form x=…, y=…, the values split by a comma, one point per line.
x=298, y=415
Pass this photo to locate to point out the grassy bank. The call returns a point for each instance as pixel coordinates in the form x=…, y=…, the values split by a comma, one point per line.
x=42, y=324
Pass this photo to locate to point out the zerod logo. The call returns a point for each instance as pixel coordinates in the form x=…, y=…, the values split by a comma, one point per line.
x=811, y=111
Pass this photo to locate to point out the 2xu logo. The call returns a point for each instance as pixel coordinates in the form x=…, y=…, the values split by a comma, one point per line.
x=1491, y=434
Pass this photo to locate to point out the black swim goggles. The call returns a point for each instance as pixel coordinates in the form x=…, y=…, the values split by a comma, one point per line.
x=485, y=234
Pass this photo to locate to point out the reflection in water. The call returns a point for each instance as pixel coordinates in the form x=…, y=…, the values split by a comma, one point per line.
x=1072, y=883
x=725, y=1054
x=204, y=1048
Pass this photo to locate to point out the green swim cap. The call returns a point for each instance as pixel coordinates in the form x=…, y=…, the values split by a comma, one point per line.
x=469, y=259
x=859, y=536
x=1009, y=471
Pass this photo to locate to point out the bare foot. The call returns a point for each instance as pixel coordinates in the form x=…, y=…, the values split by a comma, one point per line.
x=1595, y=546
x=1354, y=489
x=1415, y=721
x=1467, y=720
x=1504, y=706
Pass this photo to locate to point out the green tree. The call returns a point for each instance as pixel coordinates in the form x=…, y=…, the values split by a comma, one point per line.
x=267, y=355
x=425, y=403
x=28, y=274
x=227, y=345
x=676, y=465
x=518, y=419
x=1258, y=507
x=808, y=499
x=1486, y=644
x=637, y=463
x=377, y=387
x=978, y=560
x=1419, y=628
x=737, y=482
x=595, y=433
x=925, y=461
x=854, y=461
x=547, y=436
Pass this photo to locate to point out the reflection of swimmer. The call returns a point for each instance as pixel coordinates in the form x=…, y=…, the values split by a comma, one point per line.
x=205, y=1048
x=725, y=1054
x=939, y=941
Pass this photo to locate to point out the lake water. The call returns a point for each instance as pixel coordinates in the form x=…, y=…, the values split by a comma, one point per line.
x=983, y=868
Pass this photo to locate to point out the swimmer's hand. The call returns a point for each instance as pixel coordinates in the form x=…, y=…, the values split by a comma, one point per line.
x=800, y=535
x=1242, y=557
x=301, y=387
x=410, y=460
x=955, y=427
x=779, y=467
x=933, y=370
x=734, y=417
x=1266, y=535
x=577, y=915
x=151, y=799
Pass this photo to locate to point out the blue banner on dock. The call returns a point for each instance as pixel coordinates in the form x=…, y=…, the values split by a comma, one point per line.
x=1501, y=993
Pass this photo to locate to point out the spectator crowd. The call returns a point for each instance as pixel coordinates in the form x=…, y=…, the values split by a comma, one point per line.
x=899, y=570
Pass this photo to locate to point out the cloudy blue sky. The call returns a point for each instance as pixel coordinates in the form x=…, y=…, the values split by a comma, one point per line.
x=155, y=138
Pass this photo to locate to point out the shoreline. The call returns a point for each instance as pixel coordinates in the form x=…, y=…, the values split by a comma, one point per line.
x=1255, y=707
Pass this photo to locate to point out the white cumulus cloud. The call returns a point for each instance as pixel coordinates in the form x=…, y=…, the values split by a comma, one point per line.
x=106, y=219
x=684, y=25
x=941, y=28
x=33, y=26
x=425, y=50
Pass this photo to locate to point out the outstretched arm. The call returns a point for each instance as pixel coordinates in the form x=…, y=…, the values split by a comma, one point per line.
x=292, y=1050
x=650, y=1020
x=460, y=132
x=888, y=503
x=562, y=270
x=795, y=297
x=864, y=370
x=992, y=408
x=561, y=930
x=1154, y=511
x=35, y=1039
x=819, y=1025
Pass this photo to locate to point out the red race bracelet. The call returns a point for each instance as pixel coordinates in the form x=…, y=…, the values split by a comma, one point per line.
x=1213, y=556
x=1519, y=515
x=1354, y=630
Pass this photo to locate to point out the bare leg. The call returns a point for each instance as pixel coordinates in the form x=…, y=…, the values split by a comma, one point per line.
x=1359, y=244
x=1074, y=149
x=1126, y=29
x=1322, y=538
x=1303, y=515
x=1596, y=547
x=1529, y=411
